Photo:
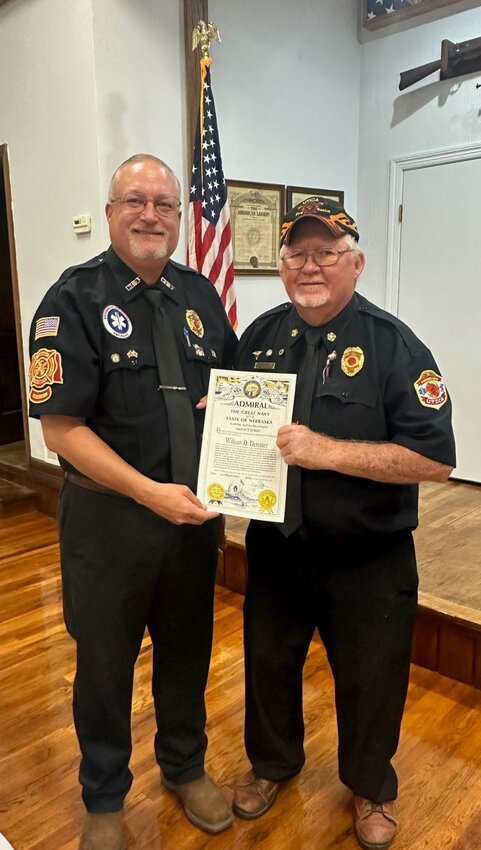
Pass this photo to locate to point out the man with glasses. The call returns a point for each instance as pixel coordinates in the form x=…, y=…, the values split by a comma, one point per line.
x=372, y=418
x=121, y=352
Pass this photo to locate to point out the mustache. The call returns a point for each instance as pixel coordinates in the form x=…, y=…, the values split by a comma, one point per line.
x=151, y=230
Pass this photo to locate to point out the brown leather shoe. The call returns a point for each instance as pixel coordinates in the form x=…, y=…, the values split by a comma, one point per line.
x=103, y=832
x=254, y=796
x=376, y=824
x=204, y=804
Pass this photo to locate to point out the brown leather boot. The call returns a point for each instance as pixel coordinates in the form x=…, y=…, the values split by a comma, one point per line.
x=376, y=824
x=254, y=796
x=103, y=832
x=204, y=804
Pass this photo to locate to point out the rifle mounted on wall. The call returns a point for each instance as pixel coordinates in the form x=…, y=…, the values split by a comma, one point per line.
x=463, y=57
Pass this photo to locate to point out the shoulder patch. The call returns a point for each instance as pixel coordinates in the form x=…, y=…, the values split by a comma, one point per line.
x=431, y=389
x=45, y=370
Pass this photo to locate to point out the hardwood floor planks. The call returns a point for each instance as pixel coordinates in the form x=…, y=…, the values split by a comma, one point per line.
x=438, y=761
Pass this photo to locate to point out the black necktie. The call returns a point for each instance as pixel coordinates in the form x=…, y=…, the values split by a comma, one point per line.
x=180, y=417
x=306, y=383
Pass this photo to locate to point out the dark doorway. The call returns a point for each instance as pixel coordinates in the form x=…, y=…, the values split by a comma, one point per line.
x=11, y=417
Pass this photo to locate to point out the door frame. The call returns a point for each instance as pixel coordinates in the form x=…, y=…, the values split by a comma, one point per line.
x=398, y=166
x=15, y=291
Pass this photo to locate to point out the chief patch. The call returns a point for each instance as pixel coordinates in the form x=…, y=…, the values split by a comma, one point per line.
x=117, y=322
x=352, y=360
x=47, y=326
x=45, y=370
x=431, y=389
x=194, y=322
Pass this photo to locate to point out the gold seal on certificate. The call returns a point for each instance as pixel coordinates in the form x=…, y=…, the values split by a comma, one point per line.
x=267, y=500
x=242, y=472
x=215, y=492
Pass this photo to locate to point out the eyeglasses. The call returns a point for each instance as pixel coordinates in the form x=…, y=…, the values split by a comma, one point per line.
x=165, y=205
x=321, y=256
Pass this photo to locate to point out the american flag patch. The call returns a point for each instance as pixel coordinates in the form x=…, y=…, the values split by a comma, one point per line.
x=47, y=326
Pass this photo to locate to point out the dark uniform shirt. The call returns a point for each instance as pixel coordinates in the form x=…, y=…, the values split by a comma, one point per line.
x=93, y=356
x=380, y=384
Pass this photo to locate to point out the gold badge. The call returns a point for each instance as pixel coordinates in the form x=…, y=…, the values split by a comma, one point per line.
x=115, y=358
x=193, y=320
x=331, y=336
x=216, y=492
x=257, y=353
x=267, y=499
x=352, y=360
x=431, y=389
x=294, y=332
x=45, y=370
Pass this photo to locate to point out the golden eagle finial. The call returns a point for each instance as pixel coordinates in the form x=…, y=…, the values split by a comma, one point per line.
x=202, y=34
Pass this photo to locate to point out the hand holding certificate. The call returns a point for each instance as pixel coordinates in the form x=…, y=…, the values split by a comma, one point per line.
x=242, y=472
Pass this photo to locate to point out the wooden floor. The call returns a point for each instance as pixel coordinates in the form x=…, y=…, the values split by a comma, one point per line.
x=439, y=759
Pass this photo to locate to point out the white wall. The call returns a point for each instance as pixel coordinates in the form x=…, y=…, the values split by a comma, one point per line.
x=83, y=85
x=139, y=70
x=48, y=121
x=430, y=116
x=286, y=81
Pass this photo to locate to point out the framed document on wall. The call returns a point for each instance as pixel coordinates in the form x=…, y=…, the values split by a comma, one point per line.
x=296, y=194
x=256, y=210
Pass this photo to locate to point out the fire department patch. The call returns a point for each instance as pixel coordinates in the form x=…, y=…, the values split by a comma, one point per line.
x=431, y=389
x=352, y=360
x=45, y=370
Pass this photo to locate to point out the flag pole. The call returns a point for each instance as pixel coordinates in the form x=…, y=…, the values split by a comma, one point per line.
x=210, y=241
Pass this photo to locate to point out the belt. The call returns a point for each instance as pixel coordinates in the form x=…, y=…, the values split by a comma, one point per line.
x=88, y=484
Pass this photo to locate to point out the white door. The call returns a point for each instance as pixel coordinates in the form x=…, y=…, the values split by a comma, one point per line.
x=440, y=287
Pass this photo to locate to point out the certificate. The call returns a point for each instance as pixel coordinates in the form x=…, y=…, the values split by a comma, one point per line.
x=256, y=210
x=242, y=472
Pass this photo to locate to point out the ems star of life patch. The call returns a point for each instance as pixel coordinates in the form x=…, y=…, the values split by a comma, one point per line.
x=431, y=389
x=116, y=322
x=47, y=326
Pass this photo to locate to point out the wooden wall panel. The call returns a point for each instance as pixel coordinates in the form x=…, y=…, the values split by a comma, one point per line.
x=456, y=654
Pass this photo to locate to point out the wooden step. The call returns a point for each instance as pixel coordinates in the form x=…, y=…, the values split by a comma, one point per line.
x=15, y=499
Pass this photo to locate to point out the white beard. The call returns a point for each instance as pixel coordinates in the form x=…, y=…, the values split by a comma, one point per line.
x=143, y=252
x=315, y=300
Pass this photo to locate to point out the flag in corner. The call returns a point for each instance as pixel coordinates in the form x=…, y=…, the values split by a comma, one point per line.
x=210, y=241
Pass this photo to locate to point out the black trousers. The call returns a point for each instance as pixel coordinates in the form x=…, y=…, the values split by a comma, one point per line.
x=362, y=597
x=125, y=569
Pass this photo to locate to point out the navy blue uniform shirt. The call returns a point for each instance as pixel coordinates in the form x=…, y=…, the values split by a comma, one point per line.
x=93, y=357
x=377, y=382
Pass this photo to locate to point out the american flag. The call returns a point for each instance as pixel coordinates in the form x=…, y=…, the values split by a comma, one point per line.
x=377, y=8
x=210, y=243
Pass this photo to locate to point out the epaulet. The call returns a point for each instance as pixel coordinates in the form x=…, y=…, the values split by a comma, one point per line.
x=90, y=265
x=269, y=314
x=405, y=332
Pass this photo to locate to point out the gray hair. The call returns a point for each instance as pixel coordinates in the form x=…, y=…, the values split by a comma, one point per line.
x=141, y=157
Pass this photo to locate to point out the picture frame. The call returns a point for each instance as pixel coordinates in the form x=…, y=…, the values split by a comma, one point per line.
x=375, y=14
x=296, y=194
x=256, y=211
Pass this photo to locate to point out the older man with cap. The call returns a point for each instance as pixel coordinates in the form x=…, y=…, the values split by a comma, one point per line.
x=372, y=418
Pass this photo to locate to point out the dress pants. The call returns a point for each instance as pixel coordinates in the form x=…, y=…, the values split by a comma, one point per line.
x=124, y=569
x=361, y=594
